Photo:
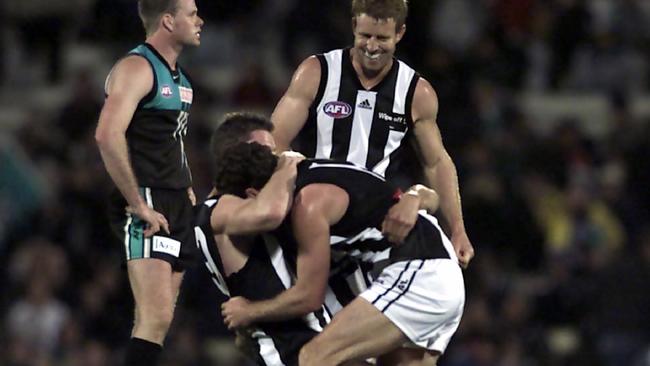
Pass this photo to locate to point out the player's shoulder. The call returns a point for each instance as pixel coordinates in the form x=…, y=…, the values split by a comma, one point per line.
x=310, y=65
x=132, y=65
x=424, y=90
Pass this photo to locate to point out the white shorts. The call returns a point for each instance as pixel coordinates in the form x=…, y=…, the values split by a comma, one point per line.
x=423, y=298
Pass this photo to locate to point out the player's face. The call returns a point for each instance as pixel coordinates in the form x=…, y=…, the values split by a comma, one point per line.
x=375, y=41
x=262, y=137
x=187, y=23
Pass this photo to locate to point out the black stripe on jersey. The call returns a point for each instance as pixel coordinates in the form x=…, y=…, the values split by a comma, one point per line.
x=394, y=284
x=342, y=130
x=379, y=130
x=339, y=271
x=366, y=246
x=341, y=289
x=405, y=290
x=324, y=74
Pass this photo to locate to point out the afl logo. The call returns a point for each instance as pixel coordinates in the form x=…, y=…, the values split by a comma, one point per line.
x=166, y=91
x=337, y=109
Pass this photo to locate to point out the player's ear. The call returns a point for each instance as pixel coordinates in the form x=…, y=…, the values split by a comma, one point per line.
x=168, y=22
x=251, y=192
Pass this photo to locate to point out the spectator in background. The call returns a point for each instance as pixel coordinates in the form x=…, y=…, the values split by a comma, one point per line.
x=43, y=25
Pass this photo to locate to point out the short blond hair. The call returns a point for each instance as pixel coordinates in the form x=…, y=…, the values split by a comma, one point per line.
x=382, y=9
x=150, y=12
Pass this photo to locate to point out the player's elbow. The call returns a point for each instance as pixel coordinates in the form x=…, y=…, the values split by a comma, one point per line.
x=100, y=136
x=313, y=300
x=104, y=136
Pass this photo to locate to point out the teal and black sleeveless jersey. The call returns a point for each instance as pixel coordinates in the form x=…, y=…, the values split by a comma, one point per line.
x=155, y=135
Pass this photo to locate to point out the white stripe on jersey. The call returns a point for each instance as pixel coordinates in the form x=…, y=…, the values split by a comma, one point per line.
x=202, y=243
x=217, y=278
x=331, y=303
x=404, y=76
x=268, y=351
x=325, y=123
x=277, y=259
x=276, y=255
x=361, y=126
x=147, y=195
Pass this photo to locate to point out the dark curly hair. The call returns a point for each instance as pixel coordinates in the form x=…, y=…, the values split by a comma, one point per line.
x=234, y=128
x=244, y=165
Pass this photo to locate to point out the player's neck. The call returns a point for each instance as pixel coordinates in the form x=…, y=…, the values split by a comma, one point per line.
x=369, y=78
x=166, y=48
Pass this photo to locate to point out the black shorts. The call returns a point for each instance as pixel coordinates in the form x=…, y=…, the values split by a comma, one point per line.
x=177, y=248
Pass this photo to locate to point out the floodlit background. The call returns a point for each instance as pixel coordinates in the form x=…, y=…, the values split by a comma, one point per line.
x=544, y=107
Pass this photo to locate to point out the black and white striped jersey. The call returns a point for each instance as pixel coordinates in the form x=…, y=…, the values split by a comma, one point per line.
x=358, y=233
x=264, y=276
x=367, y=127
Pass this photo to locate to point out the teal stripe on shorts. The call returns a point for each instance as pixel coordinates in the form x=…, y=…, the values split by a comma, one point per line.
x=136, y=238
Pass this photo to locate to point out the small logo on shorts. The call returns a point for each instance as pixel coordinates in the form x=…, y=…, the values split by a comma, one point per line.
x=337, y=109
x=402, y=284
x=166, y=245
x=166, y=91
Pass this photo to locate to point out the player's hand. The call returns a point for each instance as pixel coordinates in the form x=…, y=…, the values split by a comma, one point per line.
x=236, y=313
x=401, y=218
x=155, y=220
x=463, y=247
x=289, y=160
x=191, y=195
x=244, y=341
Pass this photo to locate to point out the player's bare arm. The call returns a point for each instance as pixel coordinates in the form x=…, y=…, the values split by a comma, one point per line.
x=129, y=82
x=317, y=207
x=401, y=218
x=292, y=110
x=263, y=212
x=439, y=169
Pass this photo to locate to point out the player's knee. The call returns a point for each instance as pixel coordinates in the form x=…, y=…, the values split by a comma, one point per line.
x=157, y=319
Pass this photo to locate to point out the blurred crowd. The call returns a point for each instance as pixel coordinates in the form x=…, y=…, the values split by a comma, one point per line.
x=560, y=219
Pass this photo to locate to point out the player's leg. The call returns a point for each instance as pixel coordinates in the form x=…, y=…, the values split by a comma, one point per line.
x=357, y=332
x=154, y=288
x=406, y=356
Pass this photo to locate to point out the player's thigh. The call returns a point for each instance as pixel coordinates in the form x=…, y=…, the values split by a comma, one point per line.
x=153, y=283
x=409, y=356
x=359, y=331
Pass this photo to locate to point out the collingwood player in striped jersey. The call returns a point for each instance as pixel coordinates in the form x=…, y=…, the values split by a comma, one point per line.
x=241, y=259
x=339, y=207
x=361, y=104
x=140, y=136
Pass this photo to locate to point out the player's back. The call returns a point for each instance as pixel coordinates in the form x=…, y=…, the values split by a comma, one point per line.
x=358, y=232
